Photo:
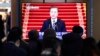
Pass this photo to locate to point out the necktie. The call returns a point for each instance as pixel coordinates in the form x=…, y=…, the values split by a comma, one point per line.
x=54, y=25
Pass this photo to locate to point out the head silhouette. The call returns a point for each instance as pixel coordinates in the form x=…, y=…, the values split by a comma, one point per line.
x=33, y=35
x=49, y=32
x=78, y=30
x=15, y=34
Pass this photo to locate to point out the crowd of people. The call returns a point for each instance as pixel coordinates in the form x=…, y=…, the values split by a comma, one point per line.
x=71, y=45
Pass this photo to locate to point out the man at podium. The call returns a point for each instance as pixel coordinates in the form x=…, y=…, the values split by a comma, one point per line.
x=54, y=22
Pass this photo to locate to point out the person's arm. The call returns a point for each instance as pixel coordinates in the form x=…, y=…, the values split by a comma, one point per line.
x=63, y=27
x=43, y=27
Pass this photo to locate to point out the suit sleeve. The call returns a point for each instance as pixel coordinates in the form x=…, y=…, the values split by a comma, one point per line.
x=63, y=27
x=43, y=27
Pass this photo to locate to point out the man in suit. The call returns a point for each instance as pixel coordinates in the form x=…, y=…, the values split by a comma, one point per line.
x=53, y=22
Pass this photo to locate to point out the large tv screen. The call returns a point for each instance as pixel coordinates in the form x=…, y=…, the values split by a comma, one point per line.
x=34, y=15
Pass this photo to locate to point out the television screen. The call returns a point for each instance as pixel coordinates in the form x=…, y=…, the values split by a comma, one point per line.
x=34, y=15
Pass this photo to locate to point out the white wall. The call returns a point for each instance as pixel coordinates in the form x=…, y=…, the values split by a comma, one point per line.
x=96, y=19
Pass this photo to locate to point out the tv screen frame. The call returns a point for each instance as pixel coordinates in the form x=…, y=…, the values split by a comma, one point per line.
x=78, y=5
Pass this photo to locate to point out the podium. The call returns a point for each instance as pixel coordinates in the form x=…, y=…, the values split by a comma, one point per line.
x=58, y=35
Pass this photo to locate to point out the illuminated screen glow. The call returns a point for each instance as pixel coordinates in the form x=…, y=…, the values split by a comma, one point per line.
x=34, y=14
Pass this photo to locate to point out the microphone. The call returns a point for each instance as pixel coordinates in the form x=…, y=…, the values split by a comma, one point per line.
x=49, y=25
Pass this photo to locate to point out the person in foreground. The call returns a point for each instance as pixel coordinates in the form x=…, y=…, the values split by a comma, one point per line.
x=34, y=43
x=11, y=47
x=72, y=42
x=50, y=44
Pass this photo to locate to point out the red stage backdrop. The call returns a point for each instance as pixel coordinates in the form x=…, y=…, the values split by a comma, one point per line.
x=33, y=15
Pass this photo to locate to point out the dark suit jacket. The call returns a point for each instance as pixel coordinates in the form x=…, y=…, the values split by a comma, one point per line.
x=60, y=25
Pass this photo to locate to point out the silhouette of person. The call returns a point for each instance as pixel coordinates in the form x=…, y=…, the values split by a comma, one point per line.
x=72, y=42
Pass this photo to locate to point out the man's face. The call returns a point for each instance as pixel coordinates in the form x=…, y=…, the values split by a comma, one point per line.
x=54, y=12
